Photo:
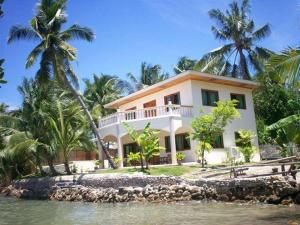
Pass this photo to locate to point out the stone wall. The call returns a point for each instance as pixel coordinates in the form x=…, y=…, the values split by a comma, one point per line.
x=124, y=188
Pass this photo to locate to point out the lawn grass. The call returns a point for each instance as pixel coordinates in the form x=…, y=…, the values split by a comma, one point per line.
x=161, y=170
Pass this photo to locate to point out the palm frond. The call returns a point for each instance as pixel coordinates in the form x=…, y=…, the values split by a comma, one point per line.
x=20, y=32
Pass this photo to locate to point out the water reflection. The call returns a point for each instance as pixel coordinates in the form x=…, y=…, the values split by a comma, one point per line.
x=16, y=212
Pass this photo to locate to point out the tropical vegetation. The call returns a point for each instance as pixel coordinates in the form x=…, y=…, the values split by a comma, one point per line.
x=149, y=75
x=56, y=119
x=241, y=51
x=147, y=141
x=207, y=127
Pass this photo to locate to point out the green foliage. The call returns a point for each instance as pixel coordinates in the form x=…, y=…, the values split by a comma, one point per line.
x=180, y=156
x=2, y=81
x=286, y=65
x=134, y=158
x=147, y=141
x=287, y=131
x=273, y=101
x=236, y=28
x=184, y=64
x=117, y=161
x=149, y=75
x=208, y=126
x=244, y=143
x=102, y=90
x=68, y=128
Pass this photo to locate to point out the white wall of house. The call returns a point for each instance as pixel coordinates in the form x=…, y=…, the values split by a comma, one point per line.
x=185, y=96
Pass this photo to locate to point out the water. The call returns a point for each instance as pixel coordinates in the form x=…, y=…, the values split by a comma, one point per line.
x=13, y=211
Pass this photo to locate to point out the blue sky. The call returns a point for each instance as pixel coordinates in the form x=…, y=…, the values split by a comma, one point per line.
x=131, y=31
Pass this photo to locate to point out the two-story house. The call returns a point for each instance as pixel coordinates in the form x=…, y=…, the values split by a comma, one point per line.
x=170, y=107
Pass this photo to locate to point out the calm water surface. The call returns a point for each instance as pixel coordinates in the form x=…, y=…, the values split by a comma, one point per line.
x=13, y=211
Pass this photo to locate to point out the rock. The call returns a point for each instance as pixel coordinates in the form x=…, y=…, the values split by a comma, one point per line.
x=185, y=193
x=297, y=198
x=287, y=201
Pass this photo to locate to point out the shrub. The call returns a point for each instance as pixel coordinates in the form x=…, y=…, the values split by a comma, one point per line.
x=180, y=157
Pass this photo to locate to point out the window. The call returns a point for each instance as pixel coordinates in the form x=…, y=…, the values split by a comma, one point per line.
x=241, y=100
x=132, y=147
x=182, y=142
x=209, y=97
x=218, y=142
x=174, y=98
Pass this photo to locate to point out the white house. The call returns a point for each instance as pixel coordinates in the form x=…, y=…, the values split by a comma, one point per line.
x=188, y=92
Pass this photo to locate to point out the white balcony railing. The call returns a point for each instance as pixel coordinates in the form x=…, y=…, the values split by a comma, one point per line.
x=159, y=111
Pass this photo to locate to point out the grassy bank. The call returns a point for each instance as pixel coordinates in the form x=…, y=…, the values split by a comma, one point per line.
x=162, y=170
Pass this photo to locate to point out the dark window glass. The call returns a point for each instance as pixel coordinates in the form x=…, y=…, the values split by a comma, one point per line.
x=174, y=98
x=132, y=147
x=209, y=98
x=241, y=100
x=182, y=142
x=218, y=142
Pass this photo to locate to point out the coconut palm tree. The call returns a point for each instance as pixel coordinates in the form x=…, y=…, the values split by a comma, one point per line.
x=102, y=90
x=184, y=63
x=238, y=31
x=149, y=75
x=67, y=129
x=287, y=65
x=2, y=81
x=55, y=53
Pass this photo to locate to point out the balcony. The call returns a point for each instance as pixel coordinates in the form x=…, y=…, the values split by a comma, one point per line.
x=146, y=113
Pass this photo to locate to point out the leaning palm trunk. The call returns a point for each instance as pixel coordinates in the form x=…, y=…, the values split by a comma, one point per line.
x=92, y=124
x=51, y=167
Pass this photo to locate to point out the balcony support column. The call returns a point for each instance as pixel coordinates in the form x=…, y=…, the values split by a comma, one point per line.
x=120, y=148
x=173, y=142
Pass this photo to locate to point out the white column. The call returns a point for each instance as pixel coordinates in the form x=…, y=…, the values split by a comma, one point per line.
x=173, y=142
x=120, y=146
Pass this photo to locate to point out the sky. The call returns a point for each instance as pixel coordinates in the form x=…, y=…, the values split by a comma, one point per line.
x=129, y=32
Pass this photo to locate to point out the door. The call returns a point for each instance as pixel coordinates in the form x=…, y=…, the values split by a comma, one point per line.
x=151, y=112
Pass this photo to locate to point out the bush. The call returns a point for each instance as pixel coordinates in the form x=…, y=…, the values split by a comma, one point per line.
x=244, y=143
x=180, y=157
x=134, y=158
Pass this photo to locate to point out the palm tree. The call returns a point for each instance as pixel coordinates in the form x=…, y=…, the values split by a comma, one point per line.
x=184, y=63
x=287, y=65
x=238, y=30
x=3, y=108
x=2, y=81
x=67, y=125
x=102, y=90
x=149, y=75
x=55, y=53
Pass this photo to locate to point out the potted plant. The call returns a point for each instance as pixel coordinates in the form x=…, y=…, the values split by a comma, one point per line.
x=180, y=157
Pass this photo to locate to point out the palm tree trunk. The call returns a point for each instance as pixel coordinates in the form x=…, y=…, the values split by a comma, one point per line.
x=67, y=167
x=51, y=167
x=92, y=123
x=39, y=164
x=243, y=65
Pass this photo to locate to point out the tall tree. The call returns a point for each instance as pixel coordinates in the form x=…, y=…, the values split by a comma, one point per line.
x=238, y=31
x=184, y=63
x=149, y=75
x=67, y=129
x=2, y=81
x=287, y=65
x=55, y=53
x=102, y=90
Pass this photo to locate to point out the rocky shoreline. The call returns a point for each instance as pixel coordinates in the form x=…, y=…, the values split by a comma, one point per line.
x=141, y=188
